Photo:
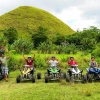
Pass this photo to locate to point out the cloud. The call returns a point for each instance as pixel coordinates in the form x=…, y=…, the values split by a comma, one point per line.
x=73, y=16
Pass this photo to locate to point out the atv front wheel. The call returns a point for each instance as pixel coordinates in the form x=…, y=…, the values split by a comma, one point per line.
x=33, y=79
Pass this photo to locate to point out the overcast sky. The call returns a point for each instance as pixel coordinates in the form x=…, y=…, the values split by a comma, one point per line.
x=78, y=14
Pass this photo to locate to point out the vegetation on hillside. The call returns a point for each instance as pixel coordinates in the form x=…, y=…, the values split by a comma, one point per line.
x=27, y=19
x=87, y=40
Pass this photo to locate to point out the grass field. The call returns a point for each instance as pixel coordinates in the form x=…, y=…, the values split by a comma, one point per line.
x=47, y=91
x=53, y=90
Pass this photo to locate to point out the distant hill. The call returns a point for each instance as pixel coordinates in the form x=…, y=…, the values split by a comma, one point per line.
x=30, y=17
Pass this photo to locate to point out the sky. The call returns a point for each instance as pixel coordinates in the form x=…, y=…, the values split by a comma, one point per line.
x=78, y=14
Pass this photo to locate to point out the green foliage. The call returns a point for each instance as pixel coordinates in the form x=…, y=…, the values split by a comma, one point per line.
x=40, y=62
x=47, y=47
x=86, y=39
x=39, y=37
x=11, y=34
x=3, y=40
x=21, y=45
x=96, y=51
x=12, y=63
x=58, y=39
x=41, y=59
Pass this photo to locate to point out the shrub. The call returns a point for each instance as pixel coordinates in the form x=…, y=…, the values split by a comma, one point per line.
x=40, y=62
x=21, y=45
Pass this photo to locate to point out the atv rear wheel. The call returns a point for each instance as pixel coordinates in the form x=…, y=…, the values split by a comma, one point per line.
x=67, y=78
x=18, y=79
x=64, y=75
x=38, y=75
x=46, y=78
x=84, y=78
x=89, y=78
x=33, y=79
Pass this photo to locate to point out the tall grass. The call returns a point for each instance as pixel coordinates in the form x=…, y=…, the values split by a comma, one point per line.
x=17, y=60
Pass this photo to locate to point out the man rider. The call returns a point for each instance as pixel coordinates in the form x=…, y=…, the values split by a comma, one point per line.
x=53, y=62
x=73, y=64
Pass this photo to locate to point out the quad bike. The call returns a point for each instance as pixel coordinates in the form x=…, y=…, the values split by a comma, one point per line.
x=53, y=74
x=1, y=75
x=74, y=75
x=93, y=74
x=27, y=74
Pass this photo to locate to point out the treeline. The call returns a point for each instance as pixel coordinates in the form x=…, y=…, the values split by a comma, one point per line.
x=87, y=40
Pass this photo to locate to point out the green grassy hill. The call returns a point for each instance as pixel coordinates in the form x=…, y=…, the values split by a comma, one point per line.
x=25, y=17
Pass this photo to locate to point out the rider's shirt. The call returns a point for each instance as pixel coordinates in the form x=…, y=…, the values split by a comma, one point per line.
x=4, y=61
x=71, y=63
x=93, y=64
x=29, y=62
x=53, y=63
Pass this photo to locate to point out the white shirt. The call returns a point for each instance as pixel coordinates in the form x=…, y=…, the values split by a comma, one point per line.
x=53, y=63
x=4, y=61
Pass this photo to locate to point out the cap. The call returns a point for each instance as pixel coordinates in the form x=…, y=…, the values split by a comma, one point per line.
x=29, y=56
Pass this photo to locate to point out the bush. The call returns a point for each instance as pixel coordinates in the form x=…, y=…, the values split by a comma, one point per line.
x=12, y=63
x=21, y=45
x=40, y=62
x=96, y=52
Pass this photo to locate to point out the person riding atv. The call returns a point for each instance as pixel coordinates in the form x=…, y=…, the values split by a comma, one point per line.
x=53, y=73
x=74, y=74
x=93, y=73
x=93, y=64
x=29, y=63
x=73, y=64
x=53, y=62
x=28, y=72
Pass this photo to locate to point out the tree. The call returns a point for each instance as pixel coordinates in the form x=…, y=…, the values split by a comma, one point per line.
x=39, y=36
x=58, y=39
x=22, y=45
x=11, y=34
x=3, y=40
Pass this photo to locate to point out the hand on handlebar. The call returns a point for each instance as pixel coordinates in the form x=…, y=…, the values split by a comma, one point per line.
x=74, y=65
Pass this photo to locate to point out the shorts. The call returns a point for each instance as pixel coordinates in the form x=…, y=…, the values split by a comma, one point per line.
x=5, y=70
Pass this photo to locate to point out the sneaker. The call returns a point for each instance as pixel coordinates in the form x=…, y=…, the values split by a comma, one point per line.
x=6, y=80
